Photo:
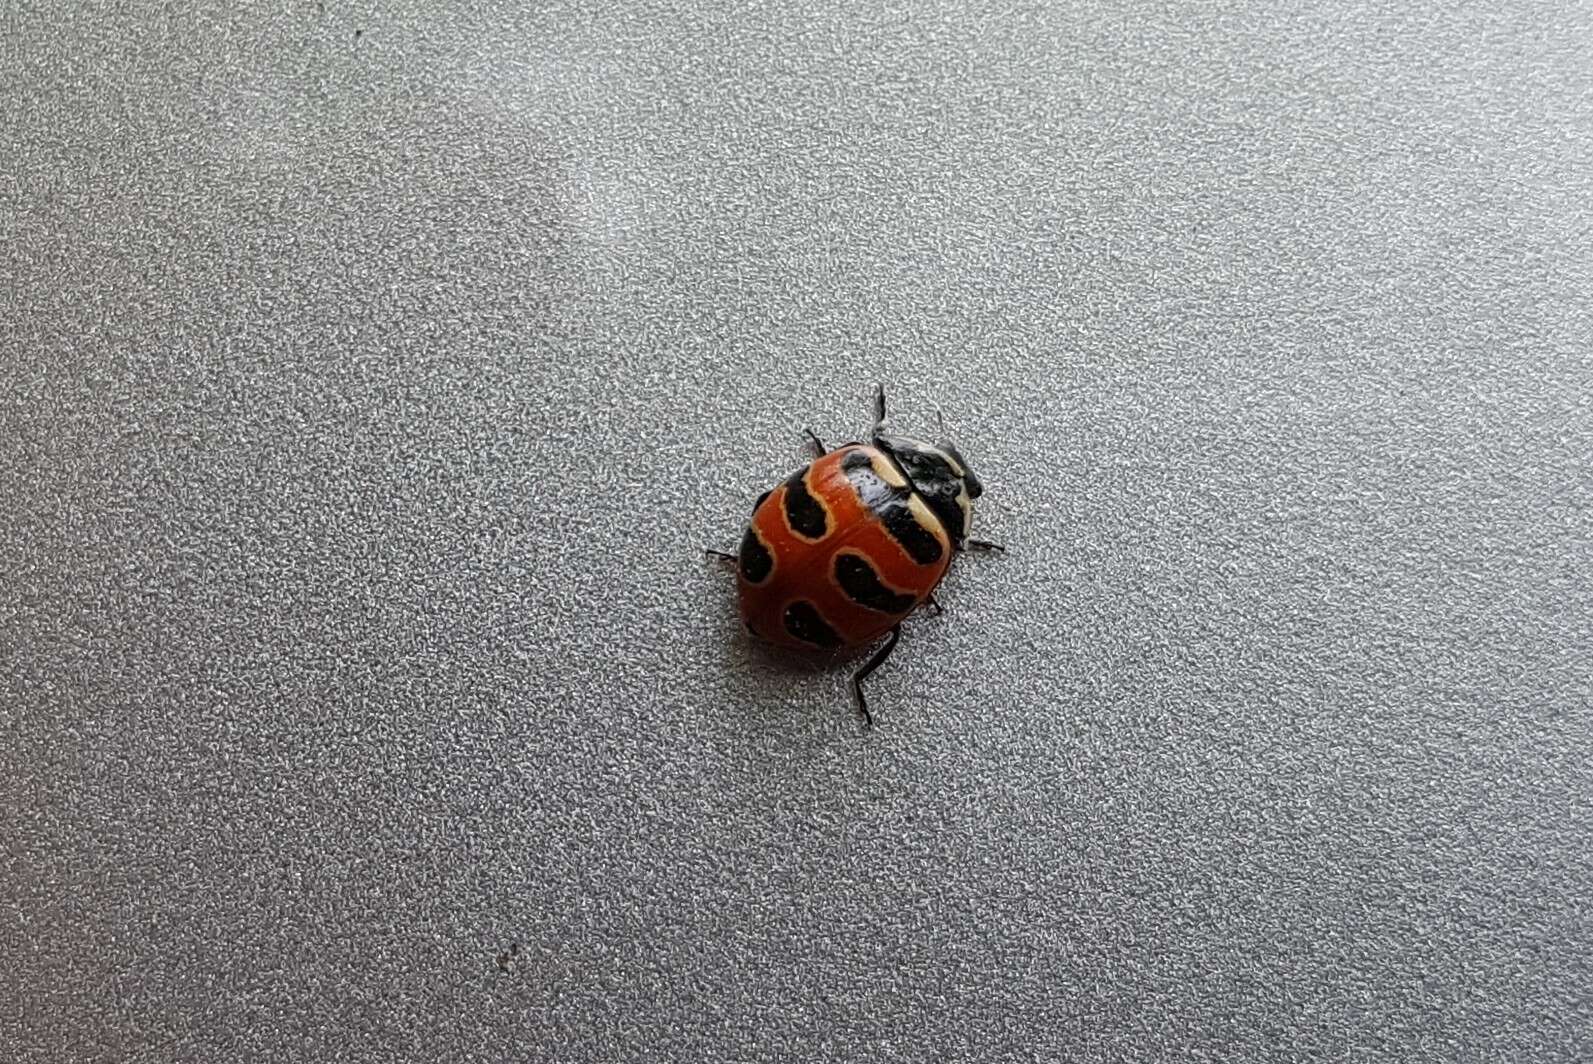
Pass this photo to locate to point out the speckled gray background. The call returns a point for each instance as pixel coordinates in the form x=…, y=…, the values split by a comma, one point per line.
x=369, y=381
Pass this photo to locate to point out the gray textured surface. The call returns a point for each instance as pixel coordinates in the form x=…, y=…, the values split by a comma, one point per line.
x=364, y=402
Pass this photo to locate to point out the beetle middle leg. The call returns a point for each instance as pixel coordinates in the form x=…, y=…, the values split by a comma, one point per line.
x=724, y=556
x=983, y=544
x=862, y=674
x=816, y=444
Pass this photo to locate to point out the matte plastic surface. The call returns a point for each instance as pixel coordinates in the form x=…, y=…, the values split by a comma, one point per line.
x=372, y=376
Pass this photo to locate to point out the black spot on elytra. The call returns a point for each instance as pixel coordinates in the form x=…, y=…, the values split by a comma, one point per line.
x=863, y=586
x=919, y=542
x=802, y=511
x=889, y=504
x=755, y=560
x=804, y=622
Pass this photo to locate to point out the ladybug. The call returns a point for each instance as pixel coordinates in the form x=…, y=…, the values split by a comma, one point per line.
x=845, y=548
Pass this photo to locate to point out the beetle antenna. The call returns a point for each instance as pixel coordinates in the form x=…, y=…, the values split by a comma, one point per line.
x=879, y=412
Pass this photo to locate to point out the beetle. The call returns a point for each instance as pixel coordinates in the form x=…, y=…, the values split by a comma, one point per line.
x=839, y=553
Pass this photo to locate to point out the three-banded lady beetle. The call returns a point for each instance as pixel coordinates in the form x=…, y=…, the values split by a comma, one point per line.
x=844, y=549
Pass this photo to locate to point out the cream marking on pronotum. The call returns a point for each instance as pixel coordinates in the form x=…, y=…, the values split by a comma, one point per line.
x=962, y=490
x=956, y=466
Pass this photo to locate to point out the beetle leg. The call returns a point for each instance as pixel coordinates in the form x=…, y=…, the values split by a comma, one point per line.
x=982, y=544
x=723, y=556
x=931, y=604
x=862, y=674
x=879, y=406
x=819, y=450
